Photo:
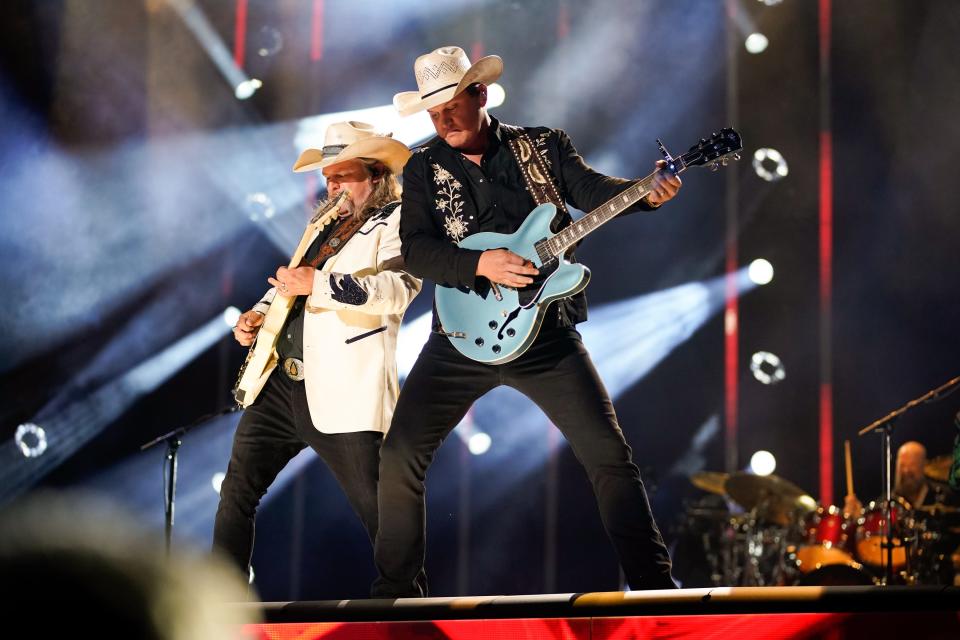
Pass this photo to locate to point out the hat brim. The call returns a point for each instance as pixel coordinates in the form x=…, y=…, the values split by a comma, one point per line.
x=486, y=70
x=393, y=153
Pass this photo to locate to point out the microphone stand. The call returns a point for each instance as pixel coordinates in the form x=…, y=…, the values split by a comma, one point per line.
x=885, y=427
x=173, y=440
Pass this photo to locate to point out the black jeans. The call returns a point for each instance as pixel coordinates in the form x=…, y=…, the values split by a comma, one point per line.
x=272, y=431
x=558, y=375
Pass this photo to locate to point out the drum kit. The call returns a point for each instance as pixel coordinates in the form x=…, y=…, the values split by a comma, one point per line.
x=767, y=531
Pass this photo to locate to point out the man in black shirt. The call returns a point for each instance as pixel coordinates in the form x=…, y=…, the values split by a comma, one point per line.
x=336, y=383
x=464, y=181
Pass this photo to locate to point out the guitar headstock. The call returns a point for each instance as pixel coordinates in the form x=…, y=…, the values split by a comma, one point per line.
x=329, y=210
x=714, y=151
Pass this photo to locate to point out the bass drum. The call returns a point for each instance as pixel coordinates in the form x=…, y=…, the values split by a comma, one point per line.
x=837, y=575
x=871, y=538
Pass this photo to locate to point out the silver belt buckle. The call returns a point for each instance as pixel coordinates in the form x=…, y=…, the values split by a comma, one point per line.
x=293, y=367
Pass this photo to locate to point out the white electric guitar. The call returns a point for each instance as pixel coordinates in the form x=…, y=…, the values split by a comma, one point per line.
x=262, y=357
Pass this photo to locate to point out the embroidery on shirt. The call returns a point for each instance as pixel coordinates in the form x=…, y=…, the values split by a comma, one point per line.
x=541, y=145
x=450, y=203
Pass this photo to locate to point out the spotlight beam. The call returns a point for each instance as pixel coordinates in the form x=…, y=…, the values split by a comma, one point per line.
x=213, y=44
x=80, y=421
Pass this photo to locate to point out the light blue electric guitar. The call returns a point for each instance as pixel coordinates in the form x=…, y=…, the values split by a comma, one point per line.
x=498, y=323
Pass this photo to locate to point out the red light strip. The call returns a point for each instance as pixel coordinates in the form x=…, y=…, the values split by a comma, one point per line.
x=316, y=31
x=240, y=33
x=826, y=261
x=731, y=331
x=563, y=21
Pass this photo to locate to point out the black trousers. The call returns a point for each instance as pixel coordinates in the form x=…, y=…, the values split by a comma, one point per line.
x=558, y=375
x=272, y=431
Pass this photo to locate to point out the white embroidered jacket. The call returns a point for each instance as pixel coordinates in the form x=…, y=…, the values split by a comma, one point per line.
x=350, y=330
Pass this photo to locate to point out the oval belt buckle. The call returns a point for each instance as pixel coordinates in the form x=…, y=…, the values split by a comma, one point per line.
x=293, y=368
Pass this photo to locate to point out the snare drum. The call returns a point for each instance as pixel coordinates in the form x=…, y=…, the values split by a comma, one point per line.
x=828, y=538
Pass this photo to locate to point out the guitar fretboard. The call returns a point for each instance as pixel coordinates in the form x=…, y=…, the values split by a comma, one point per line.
x=610, y=209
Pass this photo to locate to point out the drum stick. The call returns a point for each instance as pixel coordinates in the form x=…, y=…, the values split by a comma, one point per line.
x=849, y=465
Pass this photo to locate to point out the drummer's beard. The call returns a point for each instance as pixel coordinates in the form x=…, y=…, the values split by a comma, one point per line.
x=909, y=485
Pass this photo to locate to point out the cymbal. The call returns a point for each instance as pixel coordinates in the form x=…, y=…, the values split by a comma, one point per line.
x=938, y=468
x=775, y=498
x=710, y=481
x=937, y=509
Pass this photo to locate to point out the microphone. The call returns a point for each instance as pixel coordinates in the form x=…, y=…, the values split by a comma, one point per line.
x=955, y=465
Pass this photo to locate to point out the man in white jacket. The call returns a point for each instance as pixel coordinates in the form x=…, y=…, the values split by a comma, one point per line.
x=336, y=386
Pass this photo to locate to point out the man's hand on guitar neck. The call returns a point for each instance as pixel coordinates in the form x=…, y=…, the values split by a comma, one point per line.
x=501, y=266
x=665, y=186
x=248, y=324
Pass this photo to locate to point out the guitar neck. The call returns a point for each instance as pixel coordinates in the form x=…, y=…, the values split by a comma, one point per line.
x=301, y=250
x=610, y=209
x=326, y=215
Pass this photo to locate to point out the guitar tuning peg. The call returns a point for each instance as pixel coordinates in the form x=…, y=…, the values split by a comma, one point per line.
x=713, y=166
x=736, y=156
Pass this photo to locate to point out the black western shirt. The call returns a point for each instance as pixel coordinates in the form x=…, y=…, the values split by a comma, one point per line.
x=447, y=197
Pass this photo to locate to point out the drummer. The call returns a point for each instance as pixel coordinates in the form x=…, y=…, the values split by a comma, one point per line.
x=909, y=483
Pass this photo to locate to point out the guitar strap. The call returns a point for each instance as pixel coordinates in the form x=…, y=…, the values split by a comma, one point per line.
x=533, y=167
x=340, y=236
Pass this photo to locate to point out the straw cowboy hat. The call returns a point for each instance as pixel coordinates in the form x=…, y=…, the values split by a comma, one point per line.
x=349, y=140
x=442, y=74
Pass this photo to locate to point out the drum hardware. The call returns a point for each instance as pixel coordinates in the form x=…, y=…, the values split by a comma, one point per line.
x=775, y=499
x=784, y=537
x=884, y=426
x=752, y=547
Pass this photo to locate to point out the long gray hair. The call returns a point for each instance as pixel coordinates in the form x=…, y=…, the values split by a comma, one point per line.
x=386, y=189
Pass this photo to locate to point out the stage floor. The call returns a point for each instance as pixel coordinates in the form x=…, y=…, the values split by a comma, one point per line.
x=727, y=613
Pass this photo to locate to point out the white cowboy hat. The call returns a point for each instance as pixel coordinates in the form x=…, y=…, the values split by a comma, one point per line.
x=349, y=140
x=442, y=74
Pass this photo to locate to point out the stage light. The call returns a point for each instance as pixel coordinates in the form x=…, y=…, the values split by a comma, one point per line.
x=756, y=43
x=767, y=368
x=760, y=271
x=410, y=130
x=267, y=41
x=31, y=439
x=260, y=207
x=479, y=443
x=230, y=316
x=769, y=164
x=762, y=463
x=413, y=335
x=247, y=88
x=496, y=95
x=217, y=481
x=208, y=38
